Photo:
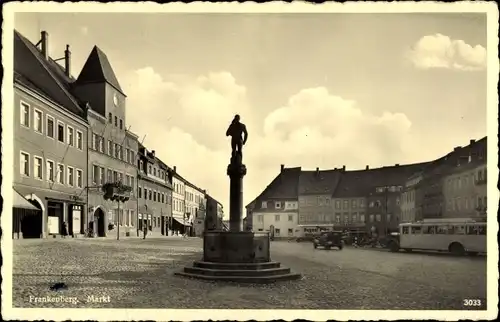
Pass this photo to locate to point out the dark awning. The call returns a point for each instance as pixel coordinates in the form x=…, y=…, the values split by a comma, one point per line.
x=22, y=203
x=181, y=222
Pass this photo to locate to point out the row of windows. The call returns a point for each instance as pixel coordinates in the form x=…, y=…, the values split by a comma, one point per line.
x=63, y=133
x=466, y=203
x=55, y=172
x=118, y=122
x=280, y=204
x=389, y=189
x=345, y=218
x=178, y=205
x=467, y=180
x=445, y=230
x=113, y=149
x=260, y=218
x=100, y=176
x=152, y=170
x=154, y=195
x=127, y=217
x=179, y=188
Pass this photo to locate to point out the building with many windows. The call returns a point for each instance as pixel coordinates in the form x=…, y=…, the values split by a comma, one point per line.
x=154, y=193
x=112, y=147
x=50, y=141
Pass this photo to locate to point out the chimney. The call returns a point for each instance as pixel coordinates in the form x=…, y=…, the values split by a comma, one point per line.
x=153, y=153
x=343, y=168
x=45, y=44
x=397, y=165
x=367, y=167
x=457, y=148
x=317, y=171
x=175, y=169
x=282, y=167
x=472, y=141
x=67, y=61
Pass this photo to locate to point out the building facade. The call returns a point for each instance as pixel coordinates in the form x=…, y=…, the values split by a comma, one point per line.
x=154, y=193
x=112, y=148
x=50, y=141
x=179, y=220
x=410, y=198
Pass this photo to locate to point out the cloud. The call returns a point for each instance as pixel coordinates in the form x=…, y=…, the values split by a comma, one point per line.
x=187, y=118
x=439, y=51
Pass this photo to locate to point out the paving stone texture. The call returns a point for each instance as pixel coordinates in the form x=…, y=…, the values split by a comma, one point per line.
x=136, y=273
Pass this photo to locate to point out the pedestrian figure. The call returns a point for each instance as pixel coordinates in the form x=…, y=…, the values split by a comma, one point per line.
x=145, y=230
x=64, y=230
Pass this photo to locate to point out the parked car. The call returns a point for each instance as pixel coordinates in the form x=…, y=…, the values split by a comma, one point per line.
x=328, y=240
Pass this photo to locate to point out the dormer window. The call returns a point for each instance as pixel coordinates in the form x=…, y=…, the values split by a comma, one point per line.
x=264, y=204
x=277, y=205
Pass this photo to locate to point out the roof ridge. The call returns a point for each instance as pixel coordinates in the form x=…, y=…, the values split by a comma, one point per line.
x=31, y=48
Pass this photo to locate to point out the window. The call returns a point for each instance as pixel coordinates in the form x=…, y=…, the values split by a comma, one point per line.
x=406, y=230
x=60, y=132
x=121, y=124
x=132, y=183
x=117, y=150
x=264, y=204
x=95, y=174
x=355, y=217
x=110, y=148
x=50, y=126
x=38, y=121
x=154, y=195
x=110, y=118
x=150, y=195
x=372, y=218
x=102, y=175
x=79, y=178
x=354, y=204
x=127, y=155
x=79, y=140
x=371, y=204
x=71, y=176
x=276, y=231
x=60, y=173
x=337, y=218
x=154, y=172
x=94, y=141
x=50, y=170
x=290, y=217
x=346, y=204
x=140, y=192
x=116, y=120
x=346, y=217
x=109, y=176
x=260, y=218
x=101, y=144
x=276, y=217
x=361, y=203
x=337, y=204
x=25, y=164
x=290, y=232
x=71, y=136
x=25, y=114
x=131, y=158
x=362, y=217
x=38, y=168
x=277, y=205
x=121, y=152
x=389, y=217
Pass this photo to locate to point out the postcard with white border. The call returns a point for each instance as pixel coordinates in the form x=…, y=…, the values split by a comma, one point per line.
x=244, y=161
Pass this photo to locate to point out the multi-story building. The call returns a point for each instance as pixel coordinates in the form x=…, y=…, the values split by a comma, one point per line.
x=315, y=190
x=179, y=222
x=410, y=198
x=275, y=210
x=194, y=199
x=112, y=147
x=248, y=222
x=50, y=140
x=154, y=193
x=464, y=189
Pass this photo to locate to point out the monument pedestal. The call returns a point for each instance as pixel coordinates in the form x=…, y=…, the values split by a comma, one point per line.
x=236, y=255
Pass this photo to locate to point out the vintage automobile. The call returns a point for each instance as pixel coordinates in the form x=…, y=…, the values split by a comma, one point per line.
x=328, y=240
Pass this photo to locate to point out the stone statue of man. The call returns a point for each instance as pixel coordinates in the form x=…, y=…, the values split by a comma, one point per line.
x=239, y=135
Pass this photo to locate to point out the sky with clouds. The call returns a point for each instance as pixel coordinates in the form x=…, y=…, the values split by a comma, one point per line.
x=315, y=90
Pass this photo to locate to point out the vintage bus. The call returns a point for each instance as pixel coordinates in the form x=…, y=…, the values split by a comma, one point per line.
x=455, y=236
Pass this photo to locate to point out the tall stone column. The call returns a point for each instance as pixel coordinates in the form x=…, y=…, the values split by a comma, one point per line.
x=236, y=170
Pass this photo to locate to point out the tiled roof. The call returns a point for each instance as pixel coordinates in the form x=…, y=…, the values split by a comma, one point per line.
x=361, y=182
x=284, y=186
x=41, y=75
x=98, y=69
x=318, y=182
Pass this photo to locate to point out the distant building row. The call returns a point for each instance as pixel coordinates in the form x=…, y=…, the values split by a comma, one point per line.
x=298, y=202
x=71, y=137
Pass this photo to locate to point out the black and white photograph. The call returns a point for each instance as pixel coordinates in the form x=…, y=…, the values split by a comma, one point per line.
x=239, y=161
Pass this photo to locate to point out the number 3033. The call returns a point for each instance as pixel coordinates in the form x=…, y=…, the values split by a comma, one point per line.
x=472, y=302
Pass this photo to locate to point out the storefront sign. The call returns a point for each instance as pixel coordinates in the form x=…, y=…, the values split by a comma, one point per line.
x=53, y=225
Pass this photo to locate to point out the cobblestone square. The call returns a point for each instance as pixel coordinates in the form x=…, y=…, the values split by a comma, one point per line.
x=136, y=273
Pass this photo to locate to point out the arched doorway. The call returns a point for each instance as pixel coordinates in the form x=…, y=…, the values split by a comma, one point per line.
x=99, y=220
x=31, y=223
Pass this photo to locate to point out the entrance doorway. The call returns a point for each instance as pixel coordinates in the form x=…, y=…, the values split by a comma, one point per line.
x=101, y=225
x=31, y=223
x=163, y=232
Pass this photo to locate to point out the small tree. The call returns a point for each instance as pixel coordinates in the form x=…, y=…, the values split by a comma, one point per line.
x=117, y=191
